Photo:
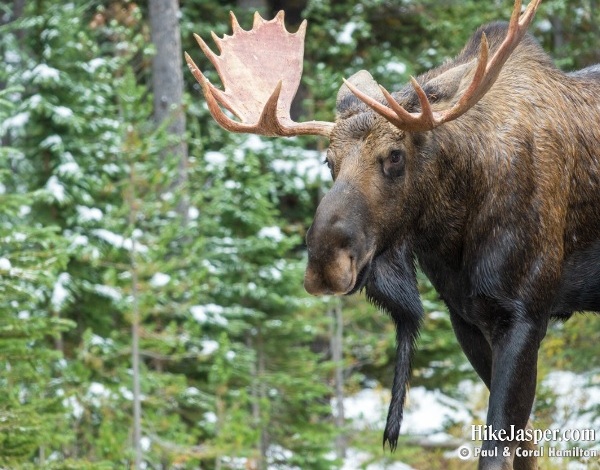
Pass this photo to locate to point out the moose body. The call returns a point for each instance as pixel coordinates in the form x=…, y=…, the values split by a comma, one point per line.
x=497, y=200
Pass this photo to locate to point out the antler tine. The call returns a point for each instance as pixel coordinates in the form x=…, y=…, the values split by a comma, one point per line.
x=209, y=92
x=395, y=113
x=477, y=88
x=258, y=20
x=376, y=105
x=486, y=73
x=235, y=25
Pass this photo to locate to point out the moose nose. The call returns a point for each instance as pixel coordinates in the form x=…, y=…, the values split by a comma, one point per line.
x=332, y=266
x=338, y=242
x=336, y=277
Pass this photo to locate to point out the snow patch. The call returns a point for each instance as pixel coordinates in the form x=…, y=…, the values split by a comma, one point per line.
x=254, y=143
x=544, y=26
x=43, y=73
x=5, y=264
x=60, y=294
x=215, y=158
x=230, y=184
x=428, y=411
x=63, y=112
x=274, y=233
x=11, y=57
x=210, y=313
x=230, y=355
x=160, y=280
x=309, y=165
x=209, y=346
x=145, y=443
x=577, y=396
x=100, y=341
x=193, y=213
x=73, y=404
x=94, y=64
x=69, y=168
x=357, y=459
x=15, y=122
x=396, y=67
x=345, y=36
x=118, y=241
x=56, y=189
x=79, y=240
x=108, y=292
x=88, y=214
x=126, y=393
x=50, y=142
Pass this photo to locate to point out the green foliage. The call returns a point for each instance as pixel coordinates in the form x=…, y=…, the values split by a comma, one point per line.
x=235, y=358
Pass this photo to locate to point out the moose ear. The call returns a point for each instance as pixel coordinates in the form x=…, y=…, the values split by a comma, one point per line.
x=348, y=104
x=446, y=85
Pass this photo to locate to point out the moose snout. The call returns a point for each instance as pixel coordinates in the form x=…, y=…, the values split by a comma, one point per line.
x=336, y=252
x=337, y=276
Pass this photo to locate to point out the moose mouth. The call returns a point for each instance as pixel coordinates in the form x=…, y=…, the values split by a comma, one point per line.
x=361, y=279
x=342, y=275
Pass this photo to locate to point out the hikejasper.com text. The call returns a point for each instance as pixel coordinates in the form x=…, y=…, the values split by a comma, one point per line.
x=482, y=432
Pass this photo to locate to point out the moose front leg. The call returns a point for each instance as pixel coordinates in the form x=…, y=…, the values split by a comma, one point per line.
x=479, y=353
x=512, y=391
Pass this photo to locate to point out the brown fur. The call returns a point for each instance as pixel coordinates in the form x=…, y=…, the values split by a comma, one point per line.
x=500, y=207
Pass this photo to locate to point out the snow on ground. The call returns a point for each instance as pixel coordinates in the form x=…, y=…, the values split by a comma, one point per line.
x=356, y=459
x=577, y=396
x=428, y=412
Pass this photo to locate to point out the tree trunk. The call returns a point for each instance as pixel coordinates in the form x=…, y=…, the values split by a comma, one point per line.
x=167, y=84
x=337, y=356
x=135, y=332
x=259, y=393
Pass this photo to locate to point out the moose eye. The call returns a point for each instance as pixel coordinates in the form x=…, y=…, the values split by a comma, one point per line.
x=396, y=156
x=329, y=164
x=393, y=166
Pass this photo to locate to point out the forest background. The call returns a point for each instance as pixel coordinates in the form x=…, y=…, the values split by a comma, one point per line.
x=152, y=313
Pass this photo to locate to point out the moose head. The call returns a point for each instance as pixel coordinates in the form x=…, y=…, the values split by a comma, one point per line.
x=372, y=156
x=483, y=170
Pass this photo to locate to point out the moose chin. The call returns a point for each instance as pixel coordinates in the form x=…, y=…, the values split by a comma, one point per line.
x=484, y=171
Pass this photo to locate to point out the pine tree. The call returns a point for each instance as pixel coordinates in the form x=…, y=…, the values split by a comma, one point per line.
x=31, y=260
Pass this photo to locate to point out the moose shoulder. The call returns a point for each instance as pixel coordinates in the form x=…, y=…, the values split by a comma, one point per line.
x=485, y=171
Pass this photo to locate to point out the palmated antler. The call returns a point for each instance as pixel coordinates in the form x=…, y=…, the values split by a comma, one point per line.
x=486, y=74
x=260, y=70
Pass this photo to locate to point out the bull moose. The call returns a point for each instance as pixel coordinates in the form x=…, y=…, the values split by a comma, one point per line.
x=485, y=171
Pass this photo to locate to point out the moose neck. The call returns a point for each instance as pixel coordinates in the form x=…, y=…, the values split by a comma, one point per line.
x=506, y=171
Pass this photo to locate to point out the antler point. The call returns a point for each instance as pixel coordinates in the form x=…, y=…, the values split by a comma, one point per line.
x=235, y=25
x=258, y=20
